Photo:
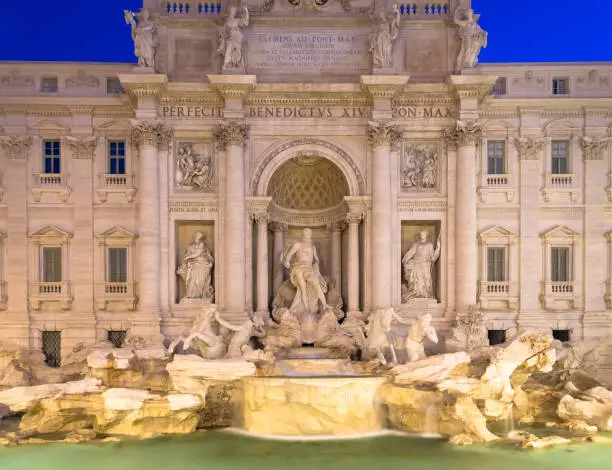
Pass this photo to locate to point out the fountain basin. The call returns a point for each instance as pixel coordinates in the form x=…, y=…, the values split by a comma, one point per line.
x=311, y=406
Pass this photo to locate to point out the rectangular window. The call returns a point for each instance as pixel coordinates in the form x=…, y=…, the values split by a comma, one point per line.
x=52, y=347
x=496, y=264
x=52, y=264
x=560, y=86
x=117, y=337
x=560, y=264
x=561, y=335
x=560, y=157
x=117, y=265
x=113, y=86
x=48, y=85
x=116, y=157
x=500, y=87
x=52, y=156
x=496, y=337
x=496, y=157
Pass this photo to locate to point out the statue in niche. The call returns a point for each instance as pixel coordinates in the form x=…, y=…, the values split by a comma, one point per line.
x=420, y=330
x=195, y=269
x=386, y=30
x=303, y=264
x=144, y=35
x=473, y=38
x=193, y=169
x=421, y=171
x=231, y=37
x=418, y=265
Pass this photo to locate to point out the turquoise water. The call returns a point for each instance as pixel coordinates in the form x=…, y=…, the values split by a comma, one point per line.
x=225, y=451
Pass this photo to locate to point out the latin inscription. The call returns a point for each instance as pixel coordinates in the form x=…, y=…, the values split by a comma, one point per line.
x=309, y=52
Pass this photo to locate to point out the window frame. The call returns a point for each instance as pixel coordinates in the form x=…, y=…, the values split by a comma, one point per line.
x=556, y=81
x=43, y=263
x=554, y=157
x=569, y=263
x=109, y=90
x=48, y=79
x=52, y=157
x=118, y=157
x=504, y=157
x=109, y=271
x=504, y=266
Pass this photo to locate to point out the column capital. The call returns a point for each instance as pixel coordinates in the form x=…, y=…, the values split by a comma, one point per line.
x=147, y=132
x=353, y=218
x=276, y=226
x=231, y=132
x=164, y=137
x=16, y=146
x=593, y=148
x=83, y=147
x=260, y=218
x=337, y=226
x=529, y=147
x=383, y=133
x=463, y=133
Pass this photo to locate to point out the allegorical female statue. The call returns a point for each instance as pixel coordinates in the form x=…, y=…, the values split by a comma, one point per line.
x=144, y=34
x=231, y=37
x=473, y=38
x=195, y=269
x=386, y=29
x=418, y=267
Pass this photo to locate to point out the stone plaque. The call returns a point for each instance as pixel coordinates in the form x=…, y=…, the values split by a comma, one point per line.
x=308, y=52
x=192, y=55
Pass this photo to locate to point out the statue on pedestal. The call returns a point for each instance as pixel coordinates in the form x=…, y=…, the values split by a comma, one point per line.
x=195, y=269
x=144, y=35
x=230, y=39
x=418, y=268
x=473, y=38
x=386, y=29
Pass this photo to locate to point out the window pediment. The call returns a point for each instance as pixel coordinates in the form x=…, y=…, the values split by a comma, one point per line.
x=49, y=125
x=117, y=236
x=497, y=234
x=561, y=234
x=51, y=235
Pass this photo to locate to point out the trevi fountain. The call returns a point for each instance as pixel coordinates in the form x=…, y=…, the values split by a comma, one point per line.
x=367, y=343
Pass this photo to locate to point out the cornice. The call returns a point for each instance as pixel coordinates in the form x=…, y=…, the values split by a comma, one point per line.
x=210, y=99
x=383, y=86
x=424, y=99
x=330, y=99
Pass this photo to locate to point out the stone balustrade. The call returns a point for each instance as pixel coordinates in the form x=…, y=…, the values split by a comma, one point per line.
x=115, y=184
x=192, y=8
x=56, y=292
x=117, y=293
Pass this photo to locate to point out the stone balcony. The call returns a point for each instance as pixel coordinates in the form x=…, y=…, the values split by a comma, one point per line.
x=59, y=293
x=116, y=296
x=561, y=187
x=53, y=184
x=560, y=296
x=115, y=185
x=496, y=184
x=497, y=295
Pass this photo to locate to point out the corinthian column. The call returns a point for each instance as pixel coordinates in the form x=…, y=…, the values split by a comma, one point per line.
x=262, y=262
x=353, y=219
x=465, y=135
x=279, y=230
x=231, y=136
x=336, y=229
x=382, y=135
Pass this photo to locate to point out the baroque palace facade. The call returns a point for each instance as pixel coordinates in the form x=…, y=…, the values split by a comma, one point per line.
x=432, y=184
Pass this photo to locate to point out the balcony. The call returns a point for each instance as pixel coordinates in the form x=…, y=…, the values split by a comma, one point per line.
x=561, y=186
x=54, y=184
x=494, y=185
x=58, y=293
x=497, y=296
x=116, y=296
x=115, y=184
x=560, y=296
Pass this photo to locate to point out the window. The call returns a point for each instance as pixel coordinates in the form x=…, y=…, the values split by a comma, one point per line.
x=560, y=157
x=116, y=157
x=52, y=264
x=52, y=156
x=500, y=87
x=496, y=157
x=117, y=337
x=48, y=85
x=117, y=264
x=496, y=337
x=560, y=86
x=561, y=335
x=113, y=86
x=52, y=347
x=560, y=264
x=496, y=264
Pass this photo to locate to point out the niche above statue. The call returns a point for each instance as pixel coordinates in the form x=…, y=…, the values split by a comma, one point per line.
x=421, y=249
x=195, y=262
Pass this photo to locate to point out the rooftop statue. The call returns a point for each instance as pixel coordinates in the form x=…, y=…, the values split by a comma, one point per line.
x=473, y=38
x=231, y=38
x=144, y=35
x=386, y=29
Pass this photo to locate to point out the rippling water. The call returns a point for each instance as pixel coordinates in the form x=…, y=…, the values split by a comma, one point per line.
x=222, y=450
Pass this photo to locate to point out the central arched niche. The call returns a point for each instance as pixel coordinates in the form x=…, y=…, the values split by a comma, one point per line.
x=308, y=183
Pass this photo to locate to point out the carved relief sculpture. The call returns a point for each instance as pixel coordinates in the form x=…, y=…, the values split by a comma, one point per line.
x=529, y=147
x=418, y=265
x=530, y=81
x=81, y=79
x=144, y=35
x=231, y=38
x=386, y=29
x=194, y=169
x=593, y=148
x=16, y=79
x=473, y=38
x=421, y=167
x=593, y=80
x=195, y=269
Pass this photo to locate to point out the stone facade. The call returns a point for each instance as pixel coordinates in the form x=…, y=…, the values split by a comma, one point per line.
x=508, y=165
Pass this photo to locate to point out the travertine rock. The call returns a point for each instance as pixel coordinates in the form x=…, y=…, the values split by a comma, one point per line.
x=545, y=442
x=60, y=414
x=593, y=407
x=433, y=369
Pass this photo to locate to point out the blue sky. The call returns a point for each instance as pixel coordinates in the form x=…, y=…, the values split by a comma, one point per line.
x=95, y=31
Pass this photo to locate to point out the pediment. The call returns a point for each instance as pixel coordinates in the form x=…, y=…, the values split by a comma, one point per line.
x=560, y=232
x=51, y=234
x=116, y=234
x=49, y=125
x=497, y=231
x=121, y=125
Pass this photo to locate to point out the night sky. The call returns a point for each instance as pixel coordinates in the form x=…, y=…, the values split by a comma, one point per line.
x=95, y=31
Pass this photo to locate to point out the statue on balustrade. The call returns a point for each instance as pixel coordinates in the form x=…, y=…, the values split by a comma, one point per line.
x=473, y=38
x=418, y=265
x=196, y=268
x=144, y=35
x=231, y=38
x=386, y=30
